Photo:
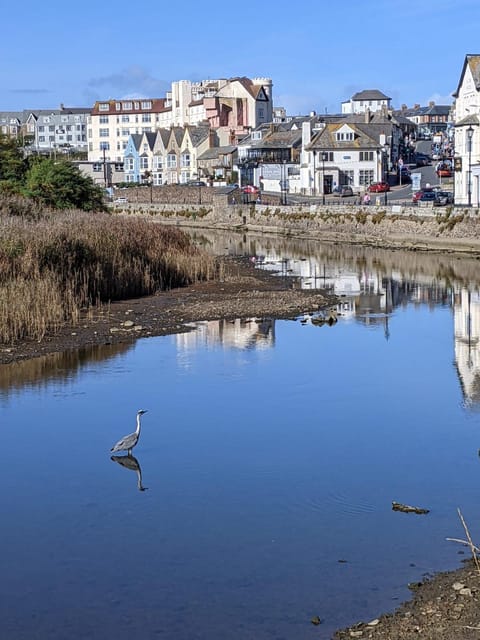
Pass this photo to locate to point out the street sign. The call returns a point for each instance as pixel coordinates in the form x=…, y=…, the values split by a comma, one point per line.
x=400, y=162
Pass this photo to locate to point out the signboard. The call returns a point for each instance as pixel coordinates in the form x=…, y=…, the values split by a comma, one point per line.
x=400, y=162
x=416, y=181
x=457, y=163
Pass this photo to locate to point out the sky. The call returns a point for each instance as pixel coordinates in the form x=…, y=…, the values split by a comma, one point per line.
x=318, y=53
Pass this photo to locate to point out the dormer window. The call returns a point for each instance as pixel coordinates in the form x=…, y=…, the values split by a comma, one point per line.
x=256, y=135
x=344, y=136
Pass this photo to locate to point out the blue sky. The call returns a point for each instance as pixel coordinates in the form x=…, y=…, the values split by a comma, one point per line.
x=317, y=52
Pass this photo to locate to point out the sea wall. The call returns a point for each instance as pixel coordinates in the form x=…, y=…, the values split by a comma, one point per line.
x=396, y=226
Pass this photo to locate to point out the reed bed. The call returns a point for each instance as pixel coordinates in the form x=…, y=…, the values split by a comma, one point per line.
x=54, y=265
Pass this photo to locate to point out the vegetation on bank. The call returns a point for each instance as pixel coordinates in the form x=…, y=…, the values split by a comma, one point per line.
x=55, y=264
x=50, y=182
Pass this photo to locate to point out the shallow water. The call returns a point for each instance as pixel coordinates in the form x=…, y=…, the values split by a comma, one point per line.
x=270, y=455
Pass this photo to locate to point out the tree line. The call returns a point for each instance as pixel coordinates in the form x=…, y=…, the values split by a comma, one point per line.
x=53, y=182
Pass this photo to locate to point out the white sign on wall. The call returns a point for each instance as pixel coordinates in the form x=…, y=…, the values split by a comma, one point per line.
x=416, y=181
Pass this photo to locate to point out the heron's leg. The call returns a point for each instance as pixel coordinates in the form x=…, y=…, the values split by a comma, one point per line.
x=129, y=452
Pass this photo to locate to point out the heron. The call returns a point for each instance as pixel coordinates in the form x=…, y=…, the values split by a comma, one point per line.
x=128, y=442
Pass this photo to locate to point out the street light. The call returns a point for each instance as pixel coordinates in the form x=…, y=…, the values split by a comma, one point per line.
x=324, y=157
x=469, y=139
x=314, y=156
x=385, y=174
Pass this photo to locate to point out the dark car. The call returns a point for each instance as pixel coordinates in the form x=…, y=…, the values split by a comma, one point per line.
x=443, y=198
x=379, y=187
x=422, y=160
x=342, y=192
x=195, y=183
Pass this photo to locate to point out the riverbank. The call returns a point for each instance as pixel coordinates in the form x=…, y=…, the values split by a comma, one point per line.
x=243, y=292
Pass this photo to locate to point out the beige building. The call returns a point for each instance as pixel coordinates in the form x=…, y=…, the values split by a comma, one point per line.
x=232, y=107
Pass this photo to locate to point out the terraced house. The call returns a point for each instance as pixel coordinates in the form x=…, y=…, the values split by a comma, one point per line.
x=166, y=156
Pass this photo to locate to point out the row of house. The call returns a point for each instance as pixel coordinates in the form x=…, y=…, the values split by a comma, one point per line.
x=220, y=130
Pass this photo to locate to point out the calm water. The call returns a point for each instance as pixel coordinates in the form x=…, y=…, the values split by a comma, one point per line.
x=270, y=455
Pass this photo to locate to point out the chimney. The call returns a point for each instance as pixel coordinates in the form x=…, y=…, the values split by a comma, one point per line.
x=404, y=107
x=367, y=116
x=431, y=103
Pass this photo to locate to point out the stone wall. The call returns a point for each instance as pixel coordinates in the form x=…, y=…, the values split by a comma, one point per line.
x=443, y=228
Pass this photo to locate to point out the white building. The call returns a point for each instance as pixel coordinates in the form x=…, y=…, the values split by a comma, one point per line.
x=367, y=100
x=467, y=133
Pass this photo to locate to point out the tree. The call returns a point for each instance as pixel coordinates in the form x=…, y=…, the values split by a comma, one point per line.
x=61, y=185
x=13, y=165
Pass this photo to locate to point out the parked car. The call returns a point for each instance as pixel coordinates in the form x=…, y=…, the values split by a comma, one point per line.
x=424, y=195
x=422, y=160
x=443, y=198
x=404, y=174
x=195, y=183
x=342, y=192
x=444, y=171
x=250, y=188
x=379, y=187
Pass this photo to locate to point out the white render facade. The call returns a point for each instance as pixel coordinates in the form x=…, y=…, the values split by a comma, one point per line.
x=467, y=134
x=368, y=100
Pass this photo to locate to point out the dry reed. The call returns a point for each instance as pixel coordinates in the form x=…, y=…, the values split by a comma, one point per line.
x=53, y=266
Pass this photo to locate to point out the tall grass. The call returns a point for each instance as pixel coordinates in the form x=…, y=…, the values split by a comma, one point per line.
x=53, y=265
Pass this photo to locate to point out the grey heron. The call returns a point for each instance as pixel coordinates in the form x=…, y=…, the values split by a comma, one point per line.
x=128, y=442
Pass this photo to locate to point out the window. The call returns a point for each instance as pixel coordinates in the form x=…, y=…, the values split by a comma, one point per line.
x=365, y=177
x=41, y=138
x=146, y=117
x=348, y=177
x=366, y=156
x=51, y=128
x=344, y=136
x=127, y=105
x=171, y=161
x=147, y=105
x=185, y=160
x=261, y=113
x=157, y=162
x=118, y=106
x=118, y=166
x=136, y=105
x=97, y=166
x=104, y=133
x=41, y=128
x=128, y=164
x=103, y=119
x=125, y=118
x=144, y=162
x=103, y=106
x=125, y=132
x=104, y=146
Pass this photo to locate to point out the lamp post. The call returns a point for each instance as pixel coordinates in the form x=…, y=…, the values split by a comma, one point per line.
x=314, y=156
x=385, y=175
x=324, y=157
x=469, y=146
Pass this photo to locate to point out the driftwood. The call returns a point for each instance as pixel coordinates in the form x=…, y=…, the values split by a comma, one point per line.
x=405, y=508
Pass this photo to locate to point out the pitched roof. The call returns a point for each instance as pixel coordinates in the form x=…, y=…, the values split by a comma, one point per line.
x=472, y=60
x=370, y=94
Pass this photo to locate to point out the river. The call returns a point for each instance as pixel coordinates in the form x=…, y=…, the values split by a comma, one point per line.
x=260, y=493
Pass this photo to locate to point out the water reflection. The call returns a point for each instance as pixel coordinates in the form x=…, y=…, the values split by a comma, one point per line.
x=130, y=462
x=250, y=333
x=58, y=367
x=371, y=285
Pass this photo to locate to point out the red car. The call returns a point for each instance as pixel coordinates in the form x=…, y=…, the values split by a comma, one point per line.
x=379, y=187
x=250, y=188
x=444, y=173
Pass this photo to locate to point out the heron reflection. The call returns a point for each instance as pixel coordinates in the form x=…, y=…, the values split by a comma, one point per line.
x=130, y=462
